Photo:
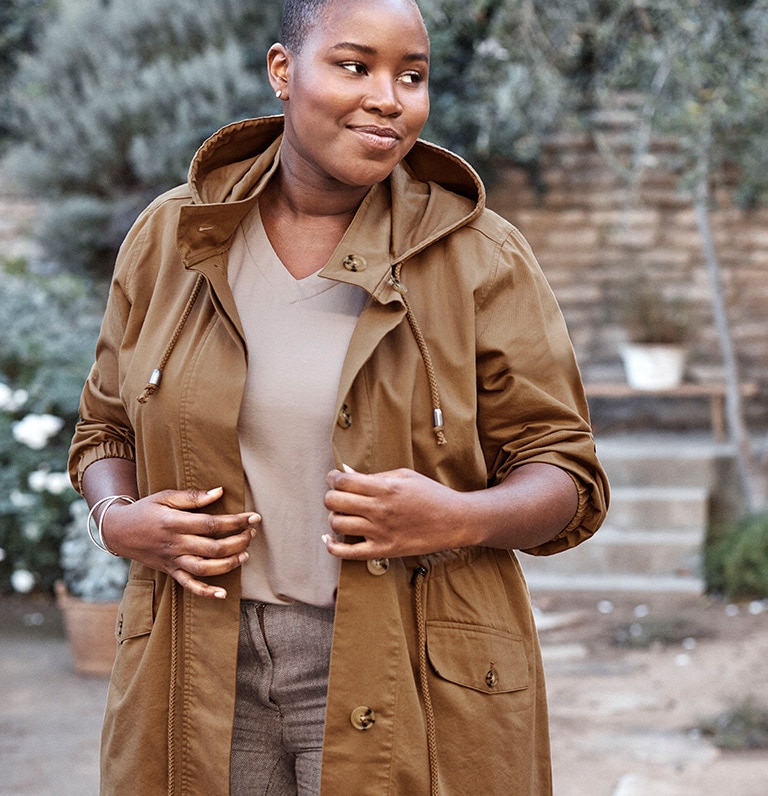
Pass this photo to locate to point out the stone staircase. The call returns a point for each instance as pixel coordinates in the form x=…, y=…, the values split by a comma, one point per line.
x=662, y=490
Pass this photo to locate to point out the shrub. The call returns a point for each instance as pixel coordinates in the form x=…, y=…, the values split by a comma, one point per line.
x=736, y=561
x=116, y=99
x=744, y=726
x=49, y=333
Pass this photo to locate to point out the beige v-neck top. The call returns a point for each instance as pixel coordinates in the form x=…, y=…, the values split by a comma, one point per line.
x=297, y=332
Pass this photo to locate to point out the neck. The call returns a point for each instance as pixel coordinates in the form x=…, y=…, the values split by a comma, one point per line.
x=300, y=195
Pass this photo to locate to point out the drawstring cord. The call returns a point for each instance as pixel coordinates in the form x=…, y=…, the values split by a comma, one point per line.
x=157, y=374
x=437, y=413
x=418, y=579
x=172, y=689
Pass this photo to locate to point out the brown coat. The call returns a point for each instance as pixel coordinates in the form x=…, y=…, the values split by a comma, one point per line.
x=439, y=651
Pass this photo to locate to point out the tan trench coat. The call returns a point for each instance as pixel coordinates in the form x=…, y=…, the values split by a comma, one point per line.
x=436, y=679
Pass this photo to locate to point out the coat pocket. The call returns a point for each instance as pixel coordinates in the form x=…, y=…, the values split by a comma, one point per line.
x=136, y=614
x=480, y=658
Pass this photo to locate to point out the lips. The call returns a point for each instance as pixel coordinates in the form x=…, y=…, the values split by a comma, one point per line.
x=377, y=137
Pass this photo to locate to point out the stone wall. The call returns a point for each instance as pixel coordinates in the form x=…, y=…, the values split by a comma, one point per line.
x=594, y=243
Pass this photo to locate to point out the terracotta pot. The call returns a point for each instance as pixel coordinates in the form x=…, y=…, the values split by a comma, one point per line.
x=653, y=366
x=90, y=629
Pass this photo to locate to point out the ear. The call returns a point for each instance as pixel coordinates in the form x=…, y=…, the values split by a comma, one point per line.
x=279, y=69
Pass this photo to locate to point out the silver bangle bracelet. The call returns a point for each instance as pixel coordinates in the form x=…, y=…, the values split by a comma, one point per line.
x=96, y=535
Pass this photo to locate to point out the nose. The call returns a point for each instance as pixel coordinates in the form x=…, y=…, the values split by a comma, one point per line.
x=383, y=97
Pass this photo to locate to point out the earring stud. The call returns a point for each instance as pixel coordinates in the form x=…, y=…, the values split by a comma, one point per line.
x=278, y=93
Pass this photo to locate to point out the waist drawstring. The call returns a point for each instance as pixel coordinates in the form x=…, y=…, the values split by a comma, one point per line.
x=157, y=374
x=418, y=581
x=437, y=412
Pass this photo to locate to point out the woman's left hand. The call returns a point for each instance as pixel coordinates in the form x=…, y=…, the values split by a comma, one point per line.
x=392, y=514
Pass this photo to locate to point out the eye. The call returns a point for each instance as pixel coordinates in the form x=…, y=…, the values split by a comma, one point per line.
x=355, y=67
x=411, y=78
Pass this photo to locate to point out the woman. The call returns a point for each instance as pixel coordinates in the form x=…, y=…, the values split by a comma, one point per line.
x=327, y=294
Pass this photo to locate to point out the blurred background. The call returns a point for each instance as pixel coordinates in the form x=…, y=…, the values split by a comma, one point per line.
x=627, y=140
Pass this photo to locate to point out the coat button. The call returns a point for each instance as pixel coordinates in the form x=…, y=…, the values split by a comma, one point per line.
x=492, y=678
x=354, y=262
x=344, y=418
x=378, y=566
x=363, y=718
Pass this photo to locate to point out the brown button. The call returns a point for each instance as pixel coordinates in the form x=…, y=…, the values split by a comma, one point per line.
x=378, y=566
x=492, y=678
x=345, y=417
x=363, y=718
x=354, y=262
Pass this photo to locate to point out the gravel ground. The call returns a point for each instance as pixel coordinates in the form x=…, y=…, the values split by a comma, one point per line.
x=623, y=717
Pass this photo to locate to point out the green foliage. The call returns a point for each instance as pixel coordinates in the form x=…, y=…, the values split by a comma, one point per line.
x=744, y=726
x=19, y=22
x=701, y=70
x=117, y=98
x=736, y=560
x=49, y=332
x=117, y=95
x=493, y=95
x=651, y=632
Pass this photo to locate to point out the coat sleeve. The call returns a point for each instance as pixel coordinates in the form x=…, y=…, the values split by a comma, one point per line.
x=531, y=402
x=104, y=430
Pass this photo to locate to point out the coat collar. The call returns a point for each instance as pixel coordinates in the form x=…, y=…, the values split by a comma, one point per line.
x=429, y=195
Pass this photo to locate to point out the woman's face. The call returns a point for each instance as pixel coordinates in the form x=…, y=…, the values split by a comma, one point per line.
x=356, y=94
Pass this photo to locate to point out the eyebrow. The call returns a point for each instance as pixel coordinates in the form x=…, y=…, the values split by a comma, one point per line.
x=366, y=50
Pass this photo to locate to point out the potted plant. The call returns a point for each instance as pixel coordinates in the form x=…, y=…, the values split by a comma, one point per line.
x=656, y=326
x=89, y=595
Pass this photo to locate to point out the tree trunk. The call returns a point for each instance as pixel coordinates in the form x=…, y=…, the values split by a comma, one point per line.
x=752, y=483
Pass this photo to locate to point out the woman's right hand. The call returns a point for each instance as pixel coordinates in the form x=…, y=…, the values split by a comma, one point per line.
x=165, y=531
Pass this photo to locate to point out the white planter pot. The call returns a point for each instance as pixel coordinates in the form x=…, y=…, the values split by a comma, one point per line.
x=653, y=366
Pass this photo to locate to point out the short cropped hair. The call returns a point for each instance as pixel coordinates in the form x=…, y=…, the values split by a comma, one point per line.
x=299, y=16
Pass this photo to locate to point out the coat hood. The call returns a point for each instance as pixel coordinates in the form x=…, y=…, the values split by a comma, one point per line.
x=433, y=190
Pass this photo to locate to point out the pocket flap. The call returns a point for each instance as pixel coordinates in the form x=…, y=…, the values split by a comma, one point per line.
x=136, y=614
x=477, y=657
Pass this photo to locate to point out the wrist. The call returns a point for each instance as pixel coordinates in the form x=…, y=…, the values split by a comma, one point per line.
x=105, y=504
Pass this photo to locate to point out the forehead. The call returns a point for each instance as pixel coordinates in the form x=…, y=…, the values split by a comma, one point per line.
x=362, y=21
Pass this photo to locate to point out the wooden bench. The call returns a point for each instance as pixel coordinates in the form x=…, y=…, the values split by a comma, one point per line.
x=715, y=391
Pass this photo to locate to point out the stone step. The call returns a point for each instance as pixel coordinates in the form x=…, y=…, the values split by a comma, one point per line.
x=662, y=460
x=613, y=583
x=659, y=508
x=663, y=554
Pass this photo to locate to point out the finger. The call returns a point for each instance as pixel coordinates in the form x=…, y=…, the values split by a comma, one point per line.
x=350, y=524
x=215, y=526
x=208, y=567
x=359, y=551
x=205, y=547
x=358, y=483
x=189, y=499
x=197, y=587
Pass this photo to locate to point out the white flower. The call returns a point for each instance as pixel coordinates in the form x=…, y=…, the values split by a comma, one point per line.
x=23, y=581
x=32, y=531
x=22, y=500
x=57, y=483
x=34, y=431
x=44, y=481
x=11, y=400
x=36, y=480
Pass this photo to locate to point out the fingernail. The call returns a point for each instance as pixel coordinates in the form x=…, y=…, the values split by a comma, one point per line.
x=326, y=539
x=220, y=594
x=213, y=491
x=347, y=468
x=254, y=519
x=243, y=557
